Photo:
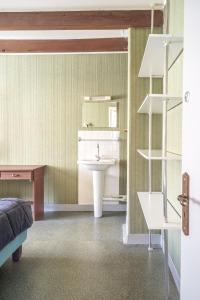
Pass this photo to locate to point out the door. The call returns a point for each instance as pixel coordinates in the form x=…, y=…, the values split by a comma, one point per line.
x=190, y=245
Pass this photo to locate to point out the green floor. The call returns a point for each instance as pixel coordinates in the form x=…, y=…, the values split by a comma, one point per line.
x=72, y=256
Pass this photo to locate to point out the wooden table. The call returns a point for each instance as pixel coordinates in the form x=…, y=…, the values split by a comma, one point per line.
x=35, y=174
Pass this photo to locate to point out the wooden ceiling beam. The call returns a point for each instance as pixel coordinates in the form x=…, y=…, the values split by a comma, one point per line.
x=78, y=20
x=64, y=46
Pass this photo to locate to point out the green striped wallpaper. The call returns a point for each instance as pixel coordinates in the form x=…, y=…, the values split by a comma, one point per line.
x=40, y=114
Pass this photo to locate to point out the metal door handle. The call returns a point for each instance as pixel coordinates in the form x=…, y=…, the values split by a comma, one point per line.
x=184, y=201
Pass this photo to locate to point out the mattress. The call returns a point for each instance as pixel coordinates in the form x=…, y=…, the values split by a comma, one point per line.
x=15, y=217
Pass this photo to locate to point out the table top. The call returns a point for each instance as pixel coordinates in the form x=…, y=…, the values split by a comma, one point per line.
x=20, y=167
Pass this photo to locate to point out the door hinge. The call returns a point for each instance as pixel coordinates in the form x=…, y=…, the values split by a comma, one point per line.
x=184, y=201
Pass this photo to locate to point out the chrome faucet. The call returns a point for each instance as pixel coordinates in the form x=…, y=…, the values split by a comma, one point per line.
x=97, y=155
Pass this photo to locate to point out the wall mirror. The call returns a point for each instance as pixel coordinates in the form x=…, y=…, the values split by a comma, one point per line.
x=100, y=114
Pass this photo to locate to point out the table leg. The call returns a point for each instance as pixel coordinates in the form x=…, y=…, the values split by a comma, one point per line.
x=38, y=194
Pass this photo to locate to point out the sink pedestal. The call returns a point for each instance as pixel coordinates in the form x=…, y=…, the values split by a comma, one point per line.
x=97, y=167
x=98, y=189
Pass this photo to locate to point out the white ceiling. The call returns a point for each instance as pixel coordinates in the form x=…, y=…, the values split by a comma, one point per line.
x=61, y=34
x=58, y=5
x=43, y=5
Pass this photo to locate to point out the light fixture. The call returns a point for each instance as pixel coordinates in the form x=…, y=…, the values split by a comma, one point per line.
x=97, y=98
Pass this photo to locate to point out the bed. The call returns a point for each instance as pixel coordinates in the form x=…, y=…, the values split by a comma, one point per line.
x=15, y=219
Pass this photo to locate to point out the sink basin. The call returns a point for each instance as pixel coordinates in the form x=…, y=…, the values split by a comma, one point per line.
x=97, y=165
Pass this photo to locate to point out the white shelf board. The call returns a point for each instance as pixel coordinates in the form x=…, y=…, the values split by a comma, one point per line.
x=156, y=101
x=153, y=58
x=152, y=207
x=157, y=155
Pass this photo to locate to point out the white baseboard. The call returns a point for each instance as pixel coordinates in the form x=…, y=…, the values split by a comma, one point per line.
x=140, y=239
x=157, y=239
x=83, y=207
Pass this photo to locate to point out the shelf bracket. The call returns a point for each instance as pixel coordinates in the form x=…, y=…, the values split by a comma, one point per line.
x=152, y=18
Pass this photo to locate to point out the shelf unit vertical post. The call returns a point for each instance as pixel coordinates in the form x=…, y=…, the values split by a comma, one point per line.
x=164, y=131
x=150, y=135
x=164, y=163
x=152, y=18
x=150, y=248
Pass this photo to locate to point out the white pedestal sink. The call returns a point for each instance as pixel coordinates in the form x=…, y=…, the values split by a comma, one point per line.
x=97, y=167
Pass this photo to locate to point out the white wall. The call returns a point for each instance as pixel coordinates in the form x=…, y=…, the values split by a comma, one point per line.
x=190, y=246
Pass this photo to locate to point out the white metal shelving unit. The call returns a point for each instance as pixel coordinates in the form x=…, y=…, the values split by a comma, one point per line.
x=160, y=53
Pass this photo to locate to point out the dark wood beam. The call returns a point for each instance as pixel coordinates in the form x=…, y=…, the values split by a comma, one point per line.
x=78, y=20
x=56, y=46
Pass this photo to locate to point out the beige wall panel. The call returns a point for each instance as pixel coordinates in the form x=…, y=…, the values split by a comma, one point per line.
x=174, y=240
x=175, y=128
x=40, y=114
x=176, y=17
x=174, y=183
x=175, y=77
